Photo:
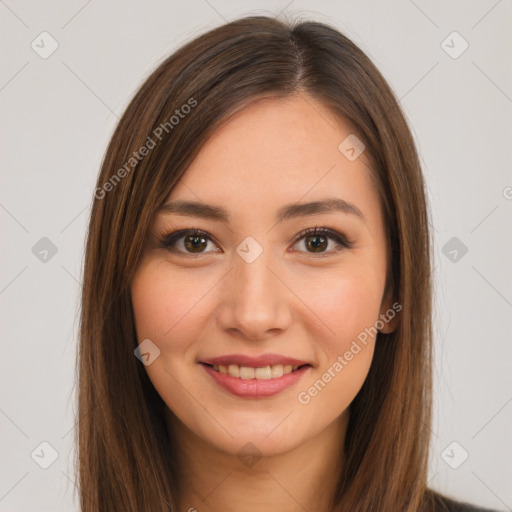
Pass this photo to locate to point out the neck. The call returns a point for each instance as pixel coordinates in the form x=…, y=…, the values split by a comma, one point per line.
x=303, y=478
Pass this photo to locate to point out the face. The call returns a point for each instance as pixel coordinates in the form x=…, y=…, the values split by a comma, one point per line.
x=247, y=295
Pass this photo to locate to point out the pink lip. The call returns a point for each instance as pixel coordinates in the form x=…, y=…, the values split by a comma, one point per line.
x=254, y=362
x=255, y=388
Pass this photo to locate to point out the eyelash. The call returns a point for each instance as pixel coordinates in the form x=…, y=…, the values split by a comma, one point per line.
x=166, y=240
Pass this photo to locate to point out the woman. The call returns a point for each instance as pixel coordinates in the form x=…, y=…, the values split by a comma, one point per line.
x=256, y=320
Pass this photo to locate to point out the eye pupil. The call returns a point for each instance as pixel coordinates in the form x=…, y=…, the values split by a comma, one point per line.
x=317, y=246
x=193, y=242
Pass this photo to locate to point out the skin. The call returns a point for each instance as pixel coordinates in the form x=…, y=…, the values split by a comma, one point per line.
x=289, y=301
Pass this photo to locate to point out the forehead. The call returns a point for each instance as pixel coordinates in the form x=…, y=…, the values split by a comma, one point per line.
x=278, y=151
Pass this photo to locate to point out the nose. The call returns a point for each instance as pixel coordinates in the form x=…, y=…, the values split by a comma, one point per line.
x=256, y=303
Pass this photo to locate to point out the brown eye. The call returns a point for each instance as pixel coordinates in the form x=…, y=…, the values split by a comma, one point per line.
x=317, y=243
x=194, y=243
x=318, y=240
x=188, y=241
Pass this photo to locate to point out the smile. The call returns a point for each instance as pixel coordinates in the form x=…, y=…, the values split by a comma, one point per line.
x=255, y=382
x=248, y=372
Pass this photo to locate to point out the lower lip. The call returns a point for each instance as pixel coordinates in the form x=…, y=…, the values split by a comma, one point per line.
x=256, y=388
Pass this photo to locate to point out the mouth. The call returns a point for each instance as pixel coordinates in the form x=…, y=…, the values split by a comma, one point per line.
x=257, y=373
x=255, y=382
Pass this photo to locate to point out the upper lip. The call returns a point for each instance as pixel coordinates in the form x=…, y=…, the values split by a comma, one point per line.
x=254, y=362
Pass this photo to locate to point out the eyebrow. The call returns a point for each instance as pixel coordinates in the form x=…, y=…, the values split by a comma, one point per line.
x=217, y=213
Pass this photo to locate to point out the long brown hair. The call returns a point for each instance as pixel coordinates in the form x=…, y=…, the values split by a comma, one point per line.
x=127, y=460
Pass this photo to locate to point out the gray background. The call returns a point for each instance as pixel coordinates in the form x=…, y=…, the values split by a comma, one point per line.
x=58, y=114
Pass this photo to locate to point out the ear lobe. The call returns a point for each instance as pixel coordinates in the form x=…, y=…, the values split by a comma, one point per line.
x=390, y=324
x=389, y=314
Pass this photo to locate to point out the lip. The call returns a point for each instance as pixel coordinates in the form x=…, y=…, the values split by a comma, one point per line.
x=255, y=388
x=254, y=362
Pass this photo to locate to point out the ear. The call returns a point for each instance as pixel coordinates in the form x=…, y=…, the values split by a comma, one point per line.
x=389, y=313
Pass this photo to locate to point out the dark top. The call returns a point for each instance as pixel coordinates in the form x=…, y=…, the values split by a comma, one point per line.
x=446, y=504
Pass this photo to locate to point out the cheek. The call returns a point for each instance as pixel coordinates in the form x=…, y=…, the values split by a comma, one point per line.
x=165, y=305
x=349, y=306
x=167, y=310
x=346, y=305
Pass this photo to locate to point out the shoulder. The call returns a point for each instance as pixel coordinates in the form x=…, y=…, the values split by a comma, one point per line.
x=446, y=504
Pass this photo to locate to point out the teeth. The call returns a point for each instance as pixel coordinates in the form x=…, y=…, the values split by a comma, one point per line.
x=247, y=372
x=263, y=373
x=234, y=370
x=277, y=371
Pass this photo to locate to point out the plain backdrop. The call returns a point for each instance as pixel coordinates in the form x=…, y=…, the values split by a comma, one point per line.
x=58, y=112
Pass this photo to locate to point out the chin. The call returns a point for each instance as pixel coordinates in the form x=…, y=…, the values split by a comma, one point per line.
x=256, y=444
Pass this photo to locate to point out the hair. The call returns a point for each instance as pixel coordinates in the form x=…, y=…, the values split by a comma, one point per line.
x=127, y=459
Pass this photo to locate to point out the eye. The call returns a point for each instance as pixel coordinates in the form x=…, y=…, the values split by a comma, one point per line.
x=316, y=241
x=187, y=241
